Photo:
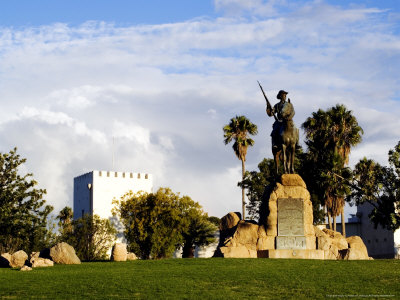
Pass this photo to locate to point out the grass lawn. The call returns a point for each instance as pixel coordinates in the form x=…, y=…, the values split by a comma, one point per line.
x=214, y=278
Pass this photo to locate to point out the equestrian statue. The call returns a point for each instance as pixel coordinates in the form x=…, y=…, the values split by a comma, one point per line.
x=284, y=135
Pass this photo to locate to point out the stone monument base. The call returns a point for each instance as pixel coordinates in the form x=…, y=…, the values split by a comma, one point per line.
x=287, y=232
x=290, y=253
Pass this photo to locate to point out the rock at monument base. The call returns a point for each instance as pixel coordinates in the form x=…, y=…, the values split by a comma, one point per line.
x=63, y=253
x=26, y=268
x=246, y=234
x=229, y=221
x=5, y=259
x=18, y=259
x=357, y=249
x=266, y=243
x=323, y=240
x=131, y=256
x=332, y=252
x=119, y=252
x=297, y=254
x=337, y=239
x=238, y=252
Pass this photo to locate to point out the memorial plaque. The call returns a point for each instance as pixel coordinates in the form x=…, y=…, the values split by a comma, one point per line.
x=290, y=217
x=290, y=242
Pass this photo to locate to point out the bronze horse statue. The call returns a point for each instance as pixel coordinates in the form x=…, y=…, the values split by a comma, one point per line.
x=285, y=135
x=287, y=140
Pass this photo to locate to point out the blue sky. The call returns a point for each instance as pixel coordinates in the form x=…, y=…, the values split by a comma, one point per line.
x=20, y=13
x=122, y=12
x=164, y=77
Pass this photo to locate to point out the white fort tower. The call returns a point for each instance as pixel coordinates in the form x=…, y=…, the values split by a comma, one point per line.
x=94, y=191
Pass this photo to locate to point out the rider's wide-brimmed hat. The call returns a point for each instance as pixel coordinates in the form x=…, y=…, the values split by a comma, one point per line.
x=280, y=94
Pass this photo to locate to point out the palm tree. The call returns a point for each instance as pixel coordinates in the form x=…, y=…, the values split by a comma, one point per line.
x=334, y=131
x=238, y=130
x=345, y=133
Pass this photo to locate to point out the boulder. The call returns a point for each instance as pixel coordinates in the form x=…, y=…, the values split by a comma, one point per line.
x=229, y=221
x=237, y=252
x=357, y=249
x=246, y=234
x=292, y=180
x=5, y=259
x=323, y=240
x=41, y=262
x=25, y=268
x=131, y=256
x=18, y=259
x=266, y=243
x=119, y=252
x=337, y=239
x=62, y=253
x=332, y=252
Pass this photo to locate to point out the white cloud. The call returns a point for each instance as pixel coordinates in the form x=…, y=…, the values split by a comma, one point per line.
x=165, y=91
x=132, y=132
x=55, y=118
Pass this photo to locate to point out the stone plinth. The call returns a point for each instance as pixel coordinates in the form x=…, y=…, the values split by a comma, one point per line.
x=296, y=253
x=290, y=219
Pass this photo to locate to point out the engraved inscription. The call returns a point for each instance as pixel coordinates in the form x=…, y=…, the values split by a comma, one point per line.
x=290, y=242
x=290, y=217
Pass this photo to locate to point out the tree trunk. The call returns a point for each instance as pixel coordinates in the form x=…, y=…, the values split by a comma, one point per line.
x=243, y=202
x=329, y=218
x=334, y=223
x=343, y=224
x=187, y=251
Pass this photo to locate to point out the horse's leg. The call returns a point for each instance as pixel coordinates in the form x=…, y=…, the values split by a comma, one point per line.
x=292, y=153
x=276, y=159
x=285, y=170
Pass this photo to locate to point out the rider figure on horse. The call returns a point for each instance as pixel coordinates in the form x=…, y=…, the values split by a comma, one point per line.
x=276, y=112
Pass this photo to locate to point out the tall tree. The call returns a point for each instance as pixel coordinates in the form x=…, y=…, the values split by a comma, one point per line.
x=332, y=133
x=92, y=237
x=23, y=213
x=238, y=130
x=157, y=224
x=379, y=186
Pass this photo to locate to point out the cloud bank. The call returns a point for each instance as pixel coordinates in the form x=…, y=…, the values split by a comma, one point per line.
x=164, y=92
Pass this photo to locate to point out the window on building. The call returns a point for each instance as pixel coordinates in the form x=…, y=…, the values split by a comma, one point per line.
x=123, y=175
x=131, y=175
x=100, y=173
x=146, y=176
x=138, y=175
x=108, y=173
x=83, y=213
x=116, y=174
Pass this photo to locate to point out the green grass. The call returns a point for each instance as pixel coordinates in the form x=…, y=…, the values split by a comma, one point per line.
x=206, y=279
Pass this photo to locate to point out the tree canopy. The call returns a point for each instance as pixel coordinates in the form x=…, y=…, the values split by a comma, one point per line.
x=379, y=186
x=23, y=212
x=156, y=224
x=329, y=136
